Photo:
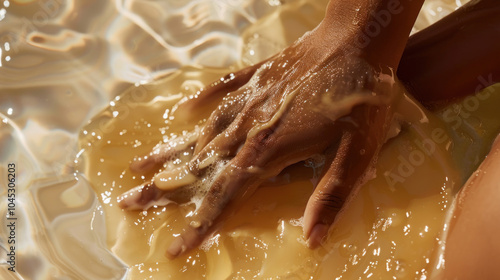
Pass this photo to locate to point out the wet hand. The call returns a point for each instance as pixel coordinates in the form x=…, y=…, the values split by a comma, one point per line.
x=304, y=102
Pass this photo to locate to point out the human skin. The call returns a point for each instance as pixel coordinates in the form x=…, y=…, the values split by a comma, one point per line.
x=275, y=115
x=454, y=57
x=473, y=245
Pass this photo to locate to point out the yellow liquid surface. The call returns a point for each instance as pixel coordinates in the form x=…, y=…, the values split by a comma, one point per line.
x=392, y=228
x=61, y=63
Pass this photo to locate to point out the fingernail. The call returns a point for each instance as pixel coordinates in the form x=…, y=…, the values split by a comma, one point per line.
x=176, y=248
x=317, y=235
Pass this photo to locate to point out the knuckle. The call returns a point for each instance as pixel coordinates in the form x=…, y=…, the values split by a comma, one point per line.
x=331, y=202
x=263, y=138
x=217, y=196
x=221, y=121
x=216, y=191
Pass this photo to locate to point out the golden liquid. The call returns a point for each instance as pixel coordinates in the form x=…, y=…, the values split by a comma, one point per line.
x=392, y=228
x=69, y=58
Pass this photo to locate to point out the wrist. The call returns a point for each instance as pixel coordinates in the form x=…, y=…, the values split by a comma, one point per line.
x=376, y=30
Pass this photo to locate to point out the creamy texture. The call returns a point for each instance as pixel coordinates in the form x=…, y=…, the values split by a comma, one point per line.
x=62, y=62
x=392, y=228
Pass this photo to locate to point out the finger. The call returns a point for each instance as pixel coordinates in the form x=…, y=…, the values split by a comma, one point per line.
x=173, y=178
x=149, y=194
x=328, y=196
x=218, y=89
x=348, y=165
x=140, y=198
x=146, y=163
x=223, y=190
x=163, y=152
x=224, y=145
x=237, y=180
x=221, y=118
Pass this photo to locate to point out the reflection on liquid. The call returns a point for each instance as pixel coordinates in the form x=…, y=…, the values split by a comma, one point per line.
x=56, y=62
x=393, y=227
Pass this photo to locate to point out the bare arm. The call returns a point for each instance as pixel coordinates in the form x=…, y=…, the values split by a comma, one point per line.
x=456, y=56
x=379, y=31
x=296, y=105
x=380, y=28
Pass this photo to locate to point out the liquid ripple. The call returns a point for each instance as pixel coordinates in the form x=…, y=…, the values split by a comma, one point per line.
x=61, y=62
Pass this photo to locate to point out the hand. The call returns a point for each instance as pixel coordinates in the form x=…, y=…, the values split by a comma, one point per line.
x=304, y=102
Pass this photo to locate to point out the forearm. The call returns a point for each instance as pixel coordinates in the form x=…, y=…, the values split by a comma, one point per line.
x=456, y=56
x=378, y=28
